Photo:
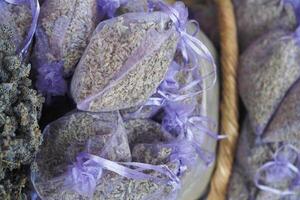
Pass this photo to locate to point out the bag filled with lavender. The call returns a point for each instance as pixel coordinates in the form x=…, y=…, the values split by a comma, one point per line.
x=153, y=65
x=266, y=170
x=186, y=102
x=268, y=68
x=97, y=156
x=255, y=18
x=63, y=32
x=268, y=150
x=20, y=18
x=127, y=58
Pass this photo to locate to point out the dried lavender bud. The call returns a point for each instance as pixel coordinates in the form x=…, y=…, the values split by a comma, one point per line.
x=144, y=131
x=255, y=18
x=20, y=109
x=267, y=70
x=18, y=18
x=64, y=30
x=237, y=187
x=148, y=143
x=284, y=126
x=125, y=61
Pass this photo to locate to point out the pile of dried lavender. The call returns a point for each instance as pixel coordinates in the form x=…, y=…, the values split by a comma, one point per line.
x=20, y=109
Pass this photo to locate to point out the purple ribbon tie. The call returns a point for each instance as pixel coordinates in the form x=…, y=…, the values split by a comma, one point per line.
x=84, y=175
x=283, y=166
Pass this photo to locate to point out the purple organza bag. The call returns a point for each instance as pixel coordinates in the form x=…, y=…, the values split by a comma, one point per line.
x=63, y=32
x=255, y=18
x=267, y=70
x=126, y=60
x=87, y=155
x=20, y=17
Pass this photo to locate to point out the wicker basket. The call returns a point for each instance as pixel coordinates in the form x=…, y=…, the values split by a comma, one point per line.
x=229, y=99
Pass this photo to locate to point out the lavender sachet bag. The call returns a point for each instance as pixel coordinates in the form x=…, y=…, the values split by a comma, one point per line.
x=20, y=17
x=269, y=160
x=87, y=155
x=126, y=60
x=254, y=18
x=63, y=32
x=267, y=70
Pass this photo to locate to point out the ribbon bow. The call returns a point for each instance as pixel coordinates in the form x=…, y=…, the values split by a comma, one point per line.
x=84, y=175
x=280, y=168
x=192, y=49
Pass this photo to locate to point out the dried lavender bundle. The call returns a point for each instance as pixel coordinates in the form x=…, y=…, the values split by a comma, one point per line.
x=20, y=109
x=125, y=61
x=255, y=18
x=18, y=18
x=267, y=70
x=64, y=30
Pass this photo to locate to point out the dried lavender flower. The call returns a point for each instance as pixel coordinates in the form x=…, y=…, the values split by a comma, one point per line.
x=18, y=18
x=125, y=61
x=64, y=30
x=20, y=110
x=254, y=18
x=267, y=70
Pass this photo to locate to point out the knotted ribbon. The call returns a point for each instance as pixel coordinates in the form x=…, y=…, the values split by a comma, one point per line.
x=84, y=175
x=192, y=49
x=180, y=121
x=35, y=10
x=110, y=7
x=278, y=169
